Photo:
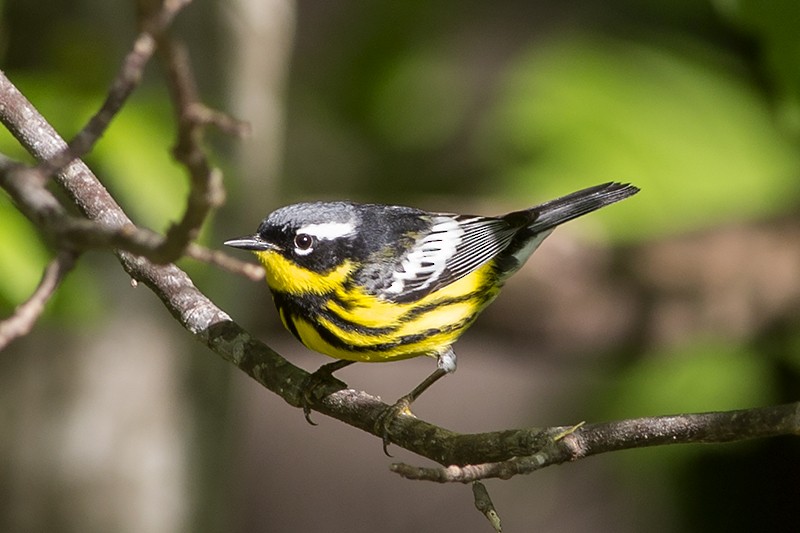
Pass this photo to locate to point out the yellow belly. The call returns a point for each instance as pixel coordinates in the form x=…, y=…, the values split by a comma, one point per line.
x=359, y=327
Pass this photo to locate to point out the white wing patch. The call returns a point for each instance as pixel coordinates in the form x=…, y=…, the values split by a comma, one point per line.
x=426, y=262
x=454, y=247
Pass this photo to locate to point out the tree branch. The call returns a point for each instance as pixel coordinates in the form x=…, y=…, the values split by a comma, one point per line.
x=594, y=439
x=36, y=202
x=27, y=313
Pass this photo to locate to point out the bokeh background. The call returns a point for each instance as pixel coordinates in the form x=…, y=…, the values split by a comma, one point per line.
x=683, y=298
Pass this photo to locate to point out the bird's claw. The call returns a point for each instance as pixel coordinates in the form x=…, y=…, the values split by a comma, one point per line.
x=310, y=390
x=307, y=412
x=384, y=422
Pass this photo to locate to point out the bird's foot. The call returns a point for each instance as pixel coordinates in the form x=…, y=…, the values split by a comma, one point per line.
x=313, y=388
x=383, y=424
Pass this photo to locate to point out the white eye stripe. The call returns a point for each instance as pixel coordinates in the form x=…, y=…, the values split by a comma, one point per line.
x=329, y=230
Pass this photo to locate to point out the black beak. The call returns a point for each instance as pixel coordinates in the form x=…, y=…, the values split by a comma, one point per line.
x=252, y=242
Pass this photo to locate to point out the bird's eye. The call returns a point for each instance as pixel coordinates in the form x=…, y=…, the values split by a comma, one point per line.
x=303, y=242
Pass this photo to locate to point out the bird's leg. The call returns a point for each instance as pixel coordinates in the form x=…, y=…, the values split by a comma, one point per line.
x=446, y=363
x=315, y=380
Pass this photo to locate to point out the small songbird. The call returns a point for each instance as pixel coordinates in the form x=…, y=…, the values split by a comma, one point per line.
x=377, y=283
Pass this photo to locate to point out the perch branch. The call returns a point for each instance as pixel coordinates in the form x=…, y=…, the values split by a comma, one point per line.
x=593, y=439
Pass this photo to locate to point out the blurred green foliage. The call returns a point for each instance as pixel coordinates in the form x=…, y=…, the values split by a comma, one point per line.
x=680, y=120
x=774, y=26
x=682, y=110
x=410, y=115
x=22, y=258
x=703, y=375
x=132, y=159
x=135, y=159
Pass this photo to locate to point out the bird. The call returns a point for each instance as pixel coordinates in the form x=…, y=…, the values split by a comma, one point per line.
x=378, y=283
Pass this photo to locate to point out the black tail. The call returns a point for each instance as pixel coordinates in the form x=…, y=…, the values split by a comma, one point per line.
x=550, y=214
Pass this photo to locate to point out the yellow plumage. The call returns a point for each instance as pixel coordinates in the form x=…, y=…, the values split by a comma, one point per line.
x=442, y=315
x=285, y=276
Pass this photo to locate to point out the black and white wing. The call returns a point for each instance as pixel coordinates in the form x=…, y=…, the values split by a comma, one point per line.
x=455, y=246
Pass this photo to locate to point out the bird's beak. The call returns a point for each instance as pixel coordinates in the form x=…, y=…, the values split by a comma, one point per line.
x=252, y=242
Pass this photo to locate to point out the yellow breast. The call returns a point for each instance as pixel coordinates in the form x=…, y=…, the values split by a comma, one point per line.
x=357, y=326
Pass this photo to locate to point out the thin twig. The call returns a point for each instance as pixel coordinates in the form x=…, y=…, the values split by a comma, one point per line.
x=124, y=83
x=41, y=206
x=222, y=260
x=202, y=114
x=27, y=313
x=206, y=191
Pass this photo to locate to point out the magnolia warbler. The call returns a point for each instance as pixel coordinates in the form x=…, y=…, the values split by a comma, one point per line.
x=375, y=283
